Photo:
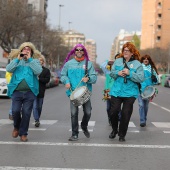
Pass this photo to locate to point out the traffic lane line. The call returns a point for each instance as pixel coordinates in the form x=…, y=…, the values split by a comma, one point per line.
x=42, y=168
x=87, y=145
x=160, y=106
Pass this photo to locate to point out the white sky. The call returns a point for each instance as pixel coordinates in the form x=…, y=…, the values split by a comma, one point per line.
x=100, y=20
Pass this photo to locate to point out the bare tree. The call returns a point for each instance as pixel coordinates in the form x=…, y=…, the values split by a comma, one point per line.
x=18, y=24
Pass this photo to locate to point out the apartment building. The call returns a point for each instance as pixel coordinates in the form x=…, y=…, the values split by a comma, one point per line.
x=155, y=24
x=123, y=37
x=91, y=49
x=73, y=37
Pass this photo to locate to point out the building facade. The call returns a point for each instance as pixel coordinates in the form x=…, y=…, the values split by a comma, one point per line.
x=122, y=38
x=72, y=37
x=155, y=24
x=91, y=49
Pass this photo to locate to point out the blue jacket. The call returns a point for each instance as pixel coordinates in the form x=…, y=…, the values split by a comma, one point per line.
x=73, y=72
x=27, y=70
x=129, y=89
x=148, y=80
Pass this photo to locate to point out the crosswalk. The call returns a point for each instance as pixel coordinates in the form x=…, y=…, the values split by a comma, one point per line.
x=134, y=128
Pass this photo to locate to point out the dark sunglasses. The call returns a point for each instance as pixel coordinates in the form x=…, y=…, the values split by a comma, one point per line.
x=79, y=49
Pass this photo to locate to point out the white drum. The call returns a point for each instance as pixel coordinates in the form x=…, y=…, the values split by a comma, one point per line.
x=148, y=93
x=80, y=96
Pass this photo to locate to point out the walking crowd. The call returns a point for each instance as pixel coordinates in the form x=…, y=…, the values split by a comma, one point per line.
x=128, y=77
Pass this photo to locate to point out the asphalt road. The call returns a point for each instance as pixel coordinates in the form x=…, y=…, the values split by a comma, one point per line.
x=48, y=147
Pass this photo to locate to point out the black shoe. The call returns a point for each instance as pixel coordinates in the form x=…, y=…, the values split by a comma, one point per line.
x=122, y=139
x=10, y=117
x=73, y=138
x=86, y=132
x=143, y=124
x=37, y=123
x=113, y=134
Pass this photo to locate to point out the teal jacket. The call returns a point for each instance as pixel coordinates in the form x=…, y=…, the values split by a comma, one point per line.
x=148, y=80
x=129, y=89
x=27, y=70
x=73, y=72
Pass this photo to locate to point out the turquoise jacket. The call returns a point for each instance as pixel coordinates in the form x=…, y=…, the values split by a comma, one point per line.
x=27, y=70
x=73, y=72
x=148, y=80
x=129, y=89
x=109, y=80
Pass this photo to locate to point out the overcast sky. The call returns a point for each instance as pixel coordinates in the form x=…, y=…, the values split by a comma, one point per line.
x=100, y=20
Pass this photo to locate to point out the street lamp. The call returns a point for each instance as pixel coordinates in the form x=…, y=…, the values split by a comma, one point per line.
x=151, y=33
x=69, y=23
x=60, y=15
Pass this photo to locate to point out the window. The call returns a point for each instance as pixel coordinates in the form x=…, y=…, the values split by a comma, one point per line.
x=159, y=15
x=159, y=27
x=158, y=38
x=159, y=5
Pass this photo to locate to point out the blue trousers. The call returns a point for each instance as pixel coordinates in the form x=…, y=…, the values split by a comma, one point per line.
x=24, y=101
x=143, y=109
x=37, y=108
x=74, y=116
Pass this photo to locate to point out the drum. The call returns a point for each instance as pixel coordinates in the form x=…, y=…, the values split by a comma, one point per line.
x=148, y=93
x=80, y=96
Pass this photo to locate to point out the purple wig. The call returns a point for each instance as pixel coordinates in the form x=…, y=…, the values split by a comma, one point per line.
x=73, y=52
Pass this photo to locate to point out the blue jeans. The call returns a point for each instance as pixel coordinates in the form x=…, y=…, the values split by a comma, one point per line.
x=37, y=108
x=24, y=101
x=10, y=110
x=74, y=117
x=143, y=109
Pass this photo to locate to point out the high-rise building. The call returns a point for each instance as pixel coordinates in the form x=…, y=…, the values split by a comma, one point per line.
x=72, y=37
x=155, y=24
x=91, y=49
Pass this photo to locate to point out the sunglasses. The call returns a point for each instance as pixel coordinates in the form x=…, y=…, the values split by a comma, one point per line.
x=79, y=49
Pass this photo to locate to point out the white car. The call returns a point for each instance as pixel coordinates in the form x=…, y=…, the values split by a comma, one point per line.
x=3, y=82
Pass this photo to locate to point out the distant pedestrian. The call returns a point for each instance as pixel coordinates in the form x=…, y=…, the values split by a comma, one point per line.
x=23, y=86
x=127, y=71
x=78, y=72
x=106, y=67
x=43, y=79
x=151, y=78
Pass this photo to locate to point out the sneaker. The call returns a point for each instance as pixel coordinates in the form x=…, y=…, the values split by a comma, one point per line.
x=142, y=124
x=73, y=138
x=37, y=123
x=86, y=132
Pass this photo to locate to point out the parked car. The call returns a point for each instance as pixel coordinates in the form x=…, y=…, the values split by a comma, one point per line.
x=54, y=80
x=3, y=82
x=167, y=81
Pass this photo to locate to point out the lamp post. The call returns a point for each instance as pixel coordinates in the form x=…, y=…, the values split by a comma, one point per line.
x=60, y=15
x=151, y=33
x=69, y=23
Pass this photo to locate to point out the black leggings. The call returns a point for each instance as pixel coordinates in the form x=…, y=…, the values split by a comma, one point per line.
x=126, y=112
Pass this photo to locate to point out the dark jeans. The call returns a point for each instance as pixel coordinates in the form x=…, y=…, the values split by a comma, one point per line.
x=37, y=108
x=22, y=101
x=126, y=112
x=108, y=107
x=74, y=116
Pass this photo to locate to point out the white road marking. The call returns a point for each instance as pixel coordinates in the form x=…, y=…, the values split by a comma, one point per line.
x=87, y=145
x=42, y=168
x=47, y=122
x=131, y=124
x=160, y=106
x=162, y=124
x=37, y=129
x=166, y=131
